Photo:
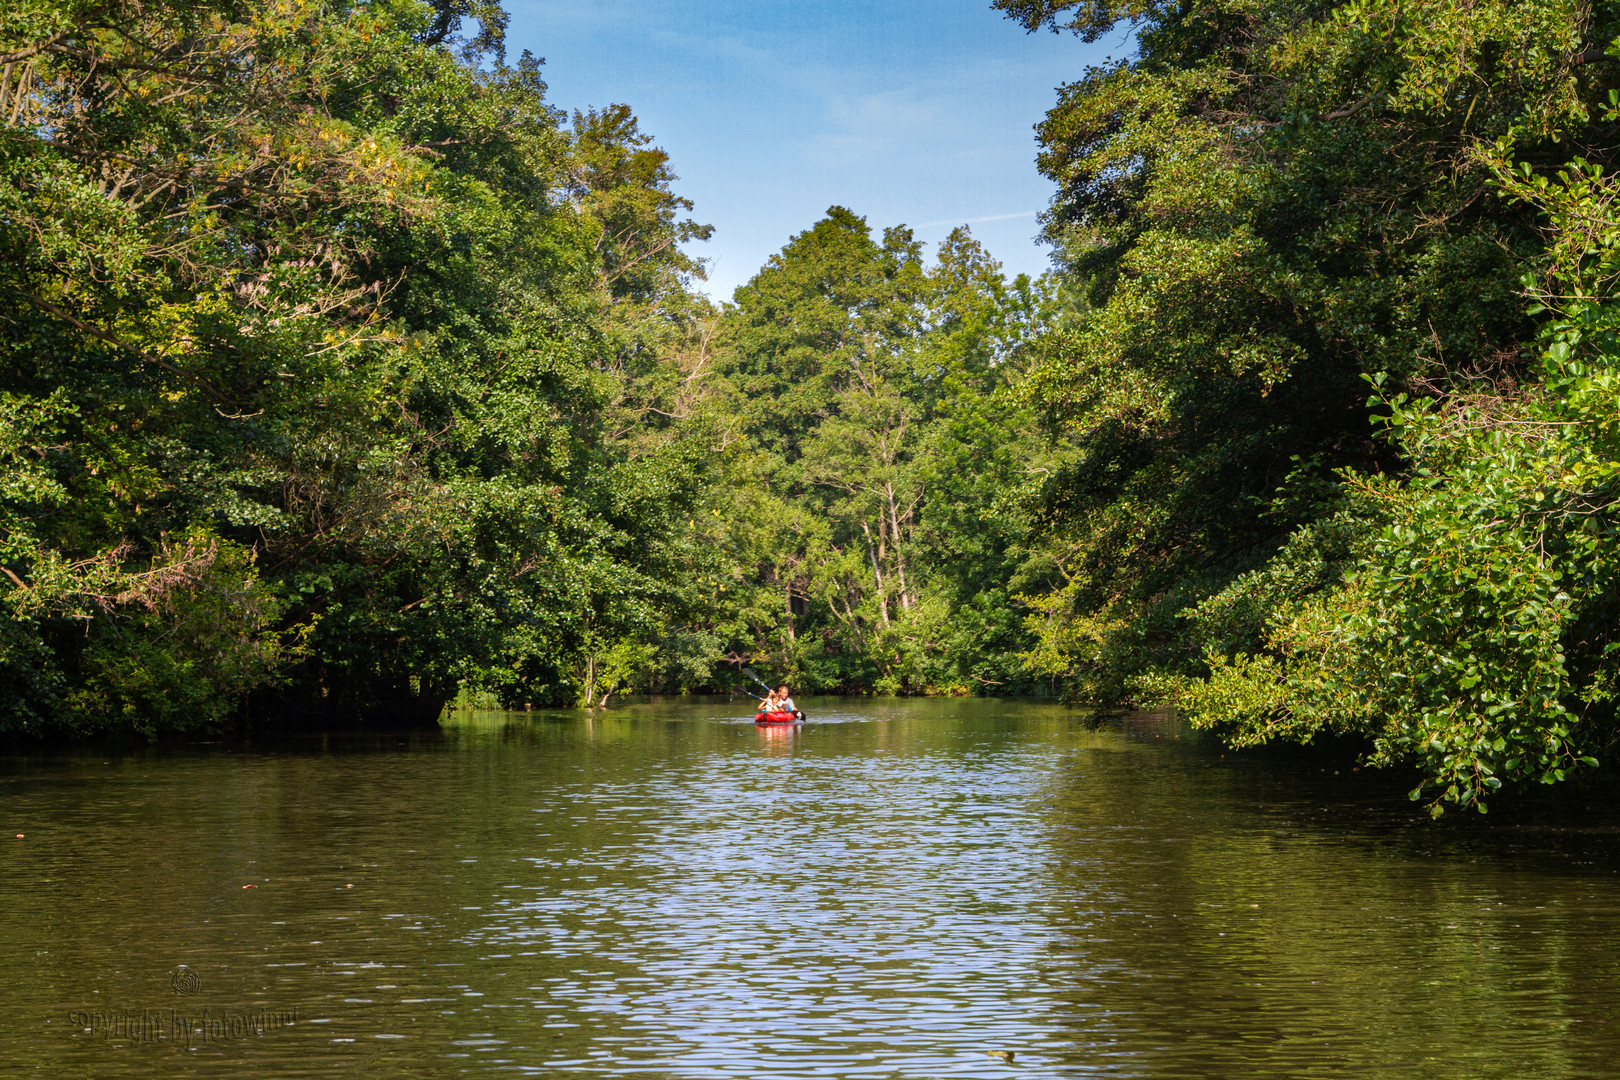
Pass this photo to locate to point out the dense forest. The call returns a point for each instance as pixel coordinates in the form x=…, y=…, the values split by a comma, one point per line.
x=345, y=374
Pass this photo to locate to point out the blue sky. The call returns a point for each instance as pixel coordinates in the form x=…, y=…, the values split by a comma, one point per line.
x=919, y=113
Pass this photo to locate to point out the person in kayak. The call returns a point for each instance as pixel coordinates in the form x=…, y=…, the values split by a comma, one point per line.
x=777, y=708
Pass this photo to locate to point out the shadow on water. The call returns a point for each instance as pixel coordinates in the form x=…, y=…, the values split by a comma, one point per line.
x=1573, y=826
x=1265, y=913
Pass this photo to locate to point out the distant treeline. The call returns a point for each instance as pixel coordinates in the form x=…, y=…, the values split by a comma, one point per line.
x=343, y=374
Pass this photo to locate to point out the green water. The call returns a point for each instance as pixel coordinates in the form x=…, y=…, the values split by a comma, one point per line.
x=896, y=890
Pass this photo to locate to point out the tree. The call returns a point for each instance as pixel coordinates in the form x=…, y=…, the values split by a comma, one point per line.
x=875, y=389
x=1268, y=214
x=1260, y=212
x=310, y=344
x=1472, y=633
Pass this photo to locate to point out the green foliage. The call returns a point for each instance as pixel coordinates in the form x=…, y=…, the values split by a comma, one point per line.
x=1268, y=209
x=327, y=294
x=203, y=632
x=875, y=524
x=1473, y=635
x=342, y=374
x=1262, y=213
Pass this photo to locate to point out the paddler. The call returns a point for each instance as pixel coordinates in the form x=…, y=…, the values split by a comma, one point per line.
x=784, y=702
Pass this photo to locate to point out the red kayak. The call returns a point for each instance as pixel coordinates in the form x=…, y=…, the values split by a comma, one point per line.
x=795, y=717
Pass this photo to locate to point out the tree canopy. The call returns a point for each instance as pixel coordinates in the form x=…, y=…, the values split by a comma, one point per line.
x=1310, y=376
x=343, y=373
x=308, y=365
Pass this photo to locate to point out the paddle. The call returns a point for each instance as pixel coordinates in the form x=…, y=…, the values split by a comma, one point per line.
x=756, y=697
x=750, y=673
x=753, y=675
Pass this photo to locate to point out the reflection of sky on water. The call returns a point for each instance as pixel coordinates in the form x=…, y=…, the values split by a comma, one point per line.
x=895, y=889
x=810, y=910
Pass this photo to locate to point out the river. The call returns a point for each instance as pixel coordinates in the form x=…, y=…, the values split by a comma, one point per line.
x=899, y=889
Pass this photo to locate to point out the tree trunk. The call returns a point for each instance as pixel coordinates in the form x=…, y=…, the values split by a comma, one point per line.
x=899, y=557
x=877, y=572
x=590, y=677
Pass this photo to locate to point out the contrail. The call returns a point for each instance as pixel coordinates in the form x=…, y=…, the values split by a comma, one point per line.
x=978, y=220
